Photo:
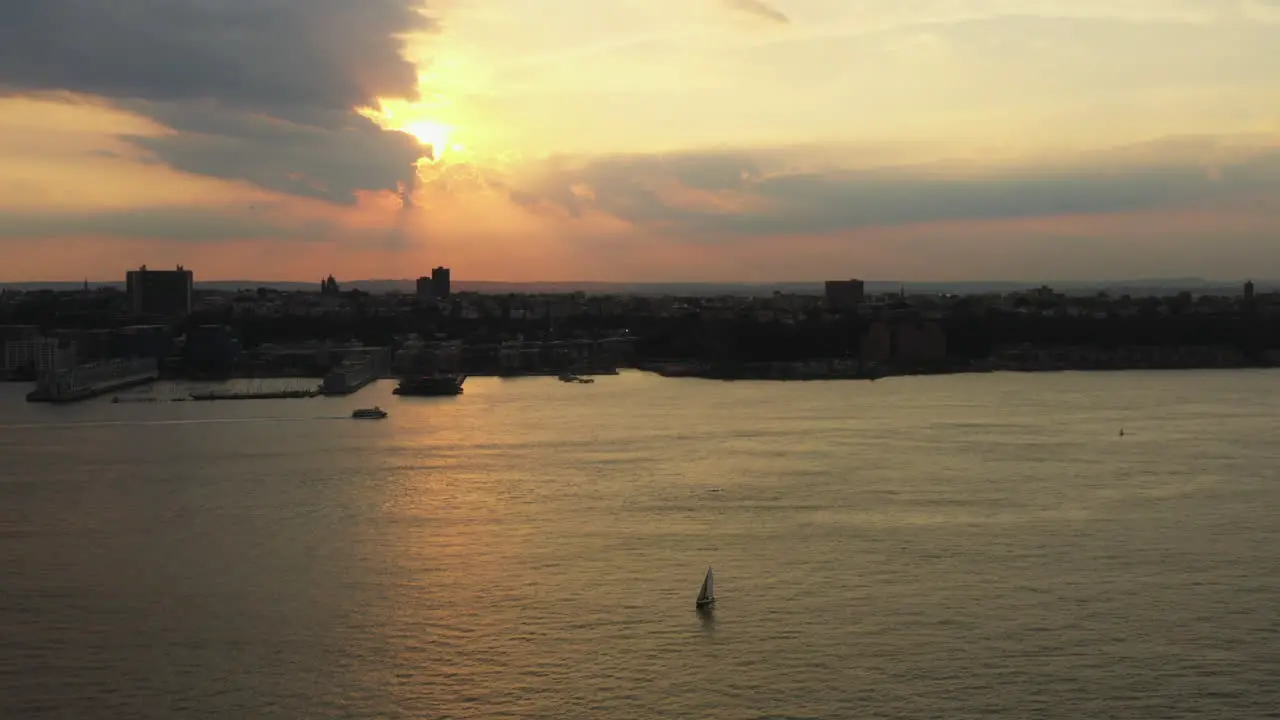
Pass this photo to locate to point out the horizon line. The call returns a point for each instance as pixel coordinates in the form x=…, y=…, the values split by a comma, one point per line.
x=1041, y=281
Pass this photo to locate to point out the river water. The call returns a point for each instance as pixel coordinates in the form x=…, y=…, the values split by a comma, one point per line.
x=980, y=546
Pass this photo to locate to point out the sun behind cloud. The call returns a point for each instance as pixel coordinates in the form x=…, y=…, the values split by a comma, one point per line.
x=431, y=133
x=422, y=121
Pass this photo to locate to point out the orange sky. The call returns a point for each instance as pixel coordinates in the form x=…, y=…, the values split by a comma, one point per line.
x=657, y=140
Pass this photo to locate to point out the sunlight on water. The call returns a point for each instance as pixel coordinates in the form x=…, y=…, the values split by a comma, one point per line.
x=958, y=547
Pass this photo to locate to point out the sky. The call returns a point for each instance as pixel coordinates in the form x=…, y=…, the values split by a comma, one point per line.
x=634, y=140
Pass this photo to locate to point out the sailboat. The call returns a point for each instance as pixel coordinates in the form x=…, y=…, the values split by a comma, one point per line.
x=707, y=595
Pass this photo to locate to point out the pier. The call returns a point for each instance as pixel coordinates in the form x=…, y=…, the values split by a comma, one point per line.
x=81, y=382
x=356, y=371
x=258, y=395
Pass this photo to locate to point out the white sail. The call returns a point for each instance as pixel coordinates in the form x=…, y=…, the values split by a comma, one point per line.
x=708, y=592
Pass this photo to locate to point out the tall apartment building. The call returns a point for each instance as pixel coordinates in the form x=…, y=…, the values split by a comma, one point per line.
x=436, y=286
x=160, y=292
x=440, y=282
x=845, y=294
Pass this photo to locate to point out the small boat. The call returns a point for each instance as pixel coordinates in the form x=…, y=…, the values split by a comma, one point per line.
x=373, y=413
x=707, y=595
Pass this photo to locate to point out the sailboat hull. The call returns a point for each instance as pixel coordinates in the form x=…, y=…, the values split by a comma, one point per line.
x=704, y=604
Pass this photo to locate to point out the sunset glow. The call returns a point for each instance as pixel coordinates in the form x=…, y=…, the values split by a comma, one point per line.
x=430, y=133
x=418, y=120
x=662, y=140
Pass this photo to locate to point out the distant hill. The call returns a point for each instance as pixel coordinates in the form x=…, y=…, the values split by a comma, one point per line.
x=1155, y=286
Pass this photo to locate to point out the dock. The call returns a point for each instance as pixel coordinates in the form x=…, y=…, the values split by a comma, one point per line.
x=356, y=372
x=74, y=383
x=259, y=395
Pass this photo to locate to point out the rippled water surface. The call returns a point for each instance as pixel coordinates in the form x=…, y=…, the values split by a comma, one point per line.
x=949, y=547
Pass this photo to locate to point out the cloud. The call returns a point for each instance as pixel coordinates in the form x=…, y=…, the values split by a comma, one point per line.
x=719, y=203
x=329, y=161
x=253, y=54
x=265, y=85
x=719, y=196
x=1182, y=206
x=183, y=224
x=759, y=9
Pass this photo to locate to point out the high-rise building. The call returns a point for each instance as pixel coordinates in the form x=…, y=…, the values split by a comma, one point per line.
x=440, y=282
x=844, y=294
x=160, y=292
x=424, y=288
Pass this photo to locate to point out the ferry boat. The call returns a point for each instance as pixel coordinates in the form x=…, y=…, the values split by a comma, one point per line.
x=431, y=385
x=373, y=413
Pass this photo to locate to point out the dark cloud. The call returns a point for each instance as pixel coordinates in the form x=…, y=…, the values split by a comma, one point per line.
x=329, y=161
x=760, y=10
x=266, y=84
x=330, y=54
x=649, y=191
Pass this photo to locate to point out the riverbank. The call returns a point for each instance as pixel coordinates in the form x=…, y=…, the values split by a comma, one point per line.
x=847, y=369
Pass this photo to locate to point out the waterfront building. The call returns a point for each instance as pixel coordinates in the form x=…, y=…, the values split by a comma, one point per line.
x=71, y=382
x=10, y=333
x=142, y=341
x=907, y=341
x=919, y=342
x=876, y=345
x=211, y=349
x=361, y=367
x=38, y=354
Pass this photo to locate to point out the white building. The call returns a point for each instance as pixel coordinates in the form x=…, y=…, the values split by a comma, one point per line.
x=40, y=353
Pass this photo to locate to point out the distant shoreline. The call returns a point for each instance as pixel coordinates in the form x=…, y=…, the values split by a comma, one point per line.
x=975, y=369
x=800, y=372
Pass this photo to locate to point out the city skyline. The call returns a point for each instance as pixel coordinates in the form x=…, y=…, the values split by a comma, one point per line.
x=1144, y=287
x=713, y=141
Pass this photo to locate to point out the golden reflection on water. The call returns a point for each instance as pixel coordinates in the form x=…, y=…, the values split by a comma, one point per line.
x=912, y=547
